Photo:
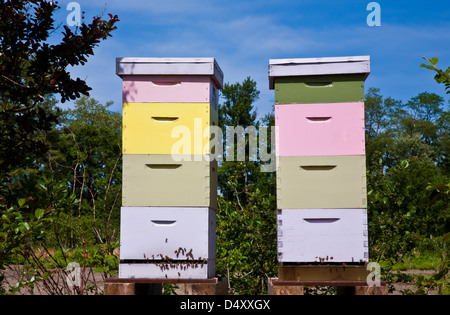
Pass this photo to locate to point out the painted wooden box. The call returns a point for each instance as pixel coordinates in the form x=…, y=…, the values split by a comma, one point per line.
x=172, y=243
x=169, y=181
x=319, y=80
x=320, y=129
x=205, y=67
x=322, y=235
x=320, y=89
x=168, y=234
x=312, y=182
x=170, y=89
x=167, y=128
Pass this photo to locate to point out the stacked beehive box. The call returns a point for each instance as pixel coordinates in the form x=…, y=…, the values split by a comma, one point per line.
x=169, y=193
x=321, y=172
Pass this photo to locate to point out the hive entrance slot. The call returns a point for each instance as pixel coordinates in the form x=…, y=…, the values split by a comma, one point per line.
x=164, y=119
x=318, y=167
x=164, y=222
x=166, y=83
x=163, y=166
x=319, y=84
x=318, y=119
x=321, y=220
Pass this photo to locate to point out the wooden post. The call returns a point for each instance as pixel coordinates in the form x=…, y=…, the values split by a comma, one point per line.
x=132, y=289
x=279, y=287
x=322, y=272
x=215, y=286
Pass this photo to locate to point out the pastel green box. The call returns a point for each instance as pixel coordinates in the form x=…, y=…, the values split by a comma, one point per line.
x=319, y=80
x=321, y=182
x=319, y=89
x=169, y=181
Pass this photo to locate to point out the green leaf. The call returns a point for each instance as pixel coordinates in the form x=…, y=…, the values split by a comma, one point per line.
x=427, y=66
x=24, y=226
x=440, y=79
x=39, y=213
x=22, y=202
x=5, y=217
x=446, y=237
x=434, y=61
x=447, y=72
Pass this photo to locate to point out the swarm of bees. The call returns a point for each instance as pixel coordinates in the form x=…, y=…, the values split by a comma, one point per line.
x=165, y=262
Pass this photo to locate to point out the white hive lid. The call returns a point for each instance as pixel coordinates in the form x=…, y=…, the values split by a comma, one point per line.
x=170, y=66
x=318, y=66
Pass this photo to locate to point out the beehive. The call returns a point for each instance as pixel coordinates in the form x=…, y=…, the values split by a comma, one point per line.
x=169, y=193
x=321, y=169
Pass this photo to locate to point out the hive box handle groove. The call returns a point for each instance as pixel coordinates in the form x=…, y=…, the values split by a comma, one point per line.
x=166, y=83
x=164, y=222
x=163, y=166
x=165, y=119
x=319, y=84
x=318, y=167
x=318, y=119
x=321, y=220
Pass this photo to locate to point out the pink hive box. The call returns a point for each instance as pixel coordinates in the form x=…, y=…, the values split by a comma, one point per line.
x=169, y=89
x=320, y=129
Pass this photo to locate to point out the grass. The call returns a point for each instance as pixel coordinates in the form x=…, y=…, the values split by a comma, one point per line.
x=420, y=261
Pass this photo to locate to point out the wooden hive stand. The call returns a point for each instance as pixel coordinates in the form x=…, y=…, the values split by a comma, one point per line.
x=213, y=286
x=349, y=279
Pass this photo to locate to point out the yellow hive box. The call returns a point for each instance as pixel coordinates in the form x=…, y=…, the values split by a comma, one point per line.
x=167, y=128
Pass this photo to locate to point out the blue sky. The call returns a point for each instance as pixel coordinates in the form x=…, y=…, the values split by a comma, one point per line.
x=243, y=35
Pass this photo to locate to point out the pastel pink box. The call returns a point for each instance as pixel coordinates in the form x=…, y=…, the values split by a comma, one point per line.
x=169, y=89
x=320, y=129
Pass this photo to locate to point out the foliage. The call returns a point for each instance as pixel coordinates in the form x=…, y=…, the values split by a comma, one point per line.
x=246, y=236
x=407, y=175
x=442, y=77
x=38, y=159
x=81, y=181
x=32, y=69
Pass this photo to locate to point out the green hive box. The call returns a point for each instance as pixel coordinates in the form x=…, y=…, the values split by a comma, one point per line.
x=161, y=181
x=320, y=89
x=321, y=182
x=319, y=80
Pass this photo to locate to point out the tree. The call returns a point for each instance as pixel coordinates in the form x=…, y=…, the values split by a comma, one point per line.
x=76, y=191
x=246, y=217
x=405, y=149
x=237, y=110
x=32, y=74
x=31, y=69
x=87, y=155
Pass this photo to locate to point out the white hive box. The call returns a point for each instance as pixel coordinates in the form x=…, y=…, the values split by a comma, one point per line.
x=322, y=235
x=147, y=233
x=159, y=242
